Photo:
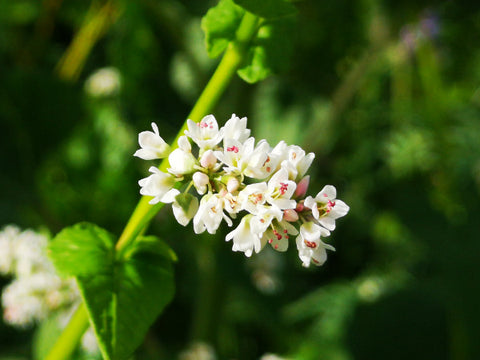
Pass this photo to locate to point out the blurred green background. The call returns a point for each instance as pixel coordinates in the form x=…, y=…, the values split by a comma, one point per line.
x=386, y=94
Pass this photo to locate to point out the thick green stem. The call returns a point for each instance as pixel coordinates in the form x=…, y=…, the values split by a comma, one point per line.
x=144, y=212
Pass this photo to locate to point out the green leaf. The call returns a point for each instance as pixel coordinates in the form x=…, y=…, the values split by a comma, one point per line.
x=270, y=51
x=220, y=24
x=81, y=249
x=123, y=295
x=268, y=9
x=126, y=298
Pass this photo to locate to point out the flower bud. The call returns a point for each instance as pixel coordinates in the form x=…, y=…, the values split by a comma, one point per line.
x=302, y=187
x=232, y=184
x=208, y=159
x=200, y=181
x=290, y=215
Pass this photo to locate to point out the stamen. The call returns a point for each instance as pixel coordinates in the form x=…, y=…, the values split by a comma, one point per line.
x=233, y=148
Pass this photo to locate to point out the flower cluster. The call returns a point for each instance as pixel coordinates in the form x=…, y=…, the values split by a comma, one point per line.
x=235, y=177
x=36, y=291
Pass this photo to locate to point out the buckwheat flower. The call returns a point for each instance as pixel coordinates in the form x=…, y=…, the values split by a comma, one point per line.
x=252, y=196
x=208, y=160
x=310, y=246
x=159, y=185
x=210, y=214
x=280, y=189
x=236, y=129
x=200, y=181
x=244, y=239
x=24, y=300
x=326, y=208
x=184, y=208
x=260, y=163
x=297, y=162
x=234, y=154
x=205, y=133
x=152, y=145
x=278, y=234
x=263, y=218
x=181, y=162
x=29, y=251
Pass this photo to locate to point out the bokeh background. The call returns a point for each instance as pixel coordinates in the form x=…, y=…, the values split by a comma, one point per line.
x=387, y=95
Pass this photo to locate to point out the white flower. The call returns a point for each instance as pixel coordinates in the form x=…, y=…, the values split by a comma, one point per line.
x=252, y=196
x=29, y=249
x=152, y=145
x=210, y=214
x=184, y=212
x=264, y=215
x=159, y=185
x=181, y=162
x=278, y=234
x=236, y=129
x=297, y=162
x=205, y=133
x=310, y=246
x=243, y=238
x=280, y=190
x=200, y=181
x=326, y=208
x=208, y=160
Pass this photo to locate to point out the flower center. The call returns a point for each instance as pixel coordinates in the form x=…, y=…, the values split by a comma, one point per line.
x=232, y=148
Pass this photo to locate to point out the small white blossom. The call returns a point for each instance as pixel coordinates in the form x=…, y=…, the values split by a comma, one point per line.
x=210, y=214
x=152, y=145
x=236, y=129
x=205, y=133
x=200, y=181
x=208, y=160
x=252, y=196
x=280, y=190
x=159, y=185
x=310, y=246
x=244, y=239
x=181, y=162
x=326, y=208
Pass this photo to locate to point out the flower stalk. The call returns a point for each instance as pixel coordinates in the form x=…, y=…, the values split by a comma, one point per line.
x=144, y=212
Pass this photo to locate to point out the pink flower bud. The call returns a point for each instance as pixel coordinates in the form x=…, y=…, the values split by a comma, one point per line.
x=290, y=215
x=302, y=187
x=208, y=159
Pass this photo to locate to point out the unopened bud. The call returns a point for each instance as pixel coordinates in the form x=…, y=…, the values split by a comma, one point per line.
x=208, y=159
x=200, y=181
x=290, y=215
x=232, y=184
x=302, y=187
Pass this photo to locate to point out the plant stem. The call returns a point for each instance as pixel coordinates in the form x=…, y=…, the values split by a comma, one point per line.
x=67, y=342
x=218, y=83
x=144, y=212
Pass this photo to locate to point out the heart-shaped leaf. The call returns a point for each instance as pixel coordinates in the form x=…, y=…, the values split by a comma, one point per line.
x=123, y=294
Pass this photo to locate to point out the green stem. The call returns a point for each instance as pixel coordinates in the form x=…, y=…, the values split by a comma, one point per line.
x=209, y=98
x=144, y=212
x=67, y=342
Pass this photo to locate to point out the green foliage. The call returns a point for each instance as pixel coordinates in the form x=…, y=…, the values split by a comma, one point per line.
x=268, y=9
x=220, y=25
x=124, y=293
x=271, y=48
